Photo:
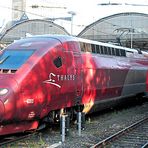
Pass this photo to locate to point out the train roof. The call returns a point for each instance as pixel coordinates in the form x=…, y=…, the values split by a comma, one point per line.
x=64, y=38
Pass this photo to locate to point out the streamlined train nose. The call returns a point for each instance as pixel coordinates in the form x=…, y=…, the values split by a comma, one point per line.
x=1, y=110
x=7, y=99
x=4, y=99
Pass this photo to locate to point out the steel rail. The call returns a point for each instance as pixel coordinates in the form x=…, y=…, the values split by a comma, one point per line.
x=104, y=142
x=10, y=139
x=145, y=145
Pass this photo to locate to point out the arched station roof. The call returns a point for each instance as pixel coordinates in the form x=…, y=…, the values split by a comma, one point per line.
x=129, y=29
x=34, y=27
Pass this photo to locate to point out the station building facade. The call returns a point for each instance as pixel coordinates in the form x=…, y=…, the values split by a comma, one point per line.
x=127, y=29
x=24, y=28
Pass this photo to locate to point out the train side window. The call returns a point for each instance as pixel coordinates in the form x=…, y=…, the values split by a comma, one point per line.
x=129, y=54
x=109, y=51
x=102, y=51
x=123, y=54
x=93, y=48
x=88, y=47
x=139, y=51
x=117, y=52
x=97, y=49
x=82, y=46
x=113, y=51
x=57, y=62
x=105, y=50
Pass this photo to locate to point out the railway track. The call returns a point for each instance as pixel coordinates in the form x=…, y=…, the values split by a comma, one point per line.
x=133, y=136
x=17, y=137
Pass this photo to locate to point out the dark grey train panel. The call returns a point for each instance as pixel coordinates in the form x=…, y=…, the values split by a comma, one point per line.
x=135, y=82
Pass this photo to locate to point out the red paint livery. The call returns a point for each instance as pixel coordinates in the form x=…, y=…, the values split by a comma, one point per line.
x=43, y=75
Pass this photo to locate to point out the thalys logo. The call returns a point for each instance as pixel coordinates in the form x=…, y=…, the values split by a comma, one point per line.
x=53, y=78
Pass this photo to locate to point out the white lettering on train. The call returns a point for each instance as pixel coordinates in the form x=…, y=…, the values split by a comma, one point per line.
x=53, y=78
x=66, y=77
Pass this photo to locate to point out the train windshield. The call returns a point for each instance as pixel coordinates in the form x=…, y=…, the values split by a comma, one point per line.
x=13, y=59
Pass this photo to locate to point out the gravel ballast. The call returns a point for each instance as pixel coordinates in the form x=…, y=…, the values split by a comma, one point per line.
x=97, y=127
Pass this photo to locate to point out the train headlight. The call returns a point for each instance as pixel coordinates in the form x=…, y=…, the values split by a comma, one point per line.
x=3, y=91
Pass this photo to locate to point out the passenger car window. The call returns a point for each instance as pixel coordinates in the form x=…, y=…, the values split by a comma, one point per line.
x=93, y=48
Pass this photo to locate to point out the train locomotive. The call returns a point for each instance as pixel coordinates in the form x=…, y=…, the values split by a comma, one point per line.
x=43, y=76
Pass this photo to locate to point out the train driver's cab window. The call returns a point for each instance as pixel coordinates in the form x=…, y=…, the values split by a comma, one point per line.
x=57, y=62
x=13, y=59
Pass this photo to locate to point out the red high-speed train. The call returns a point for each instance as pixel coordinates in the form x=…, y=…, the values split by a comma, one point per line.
x=42, y=76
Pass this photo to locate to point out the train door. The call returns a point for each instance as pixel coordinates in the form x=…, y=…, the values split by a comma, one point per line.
x=56, y=80
x=79, y=78
x=74, y=83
